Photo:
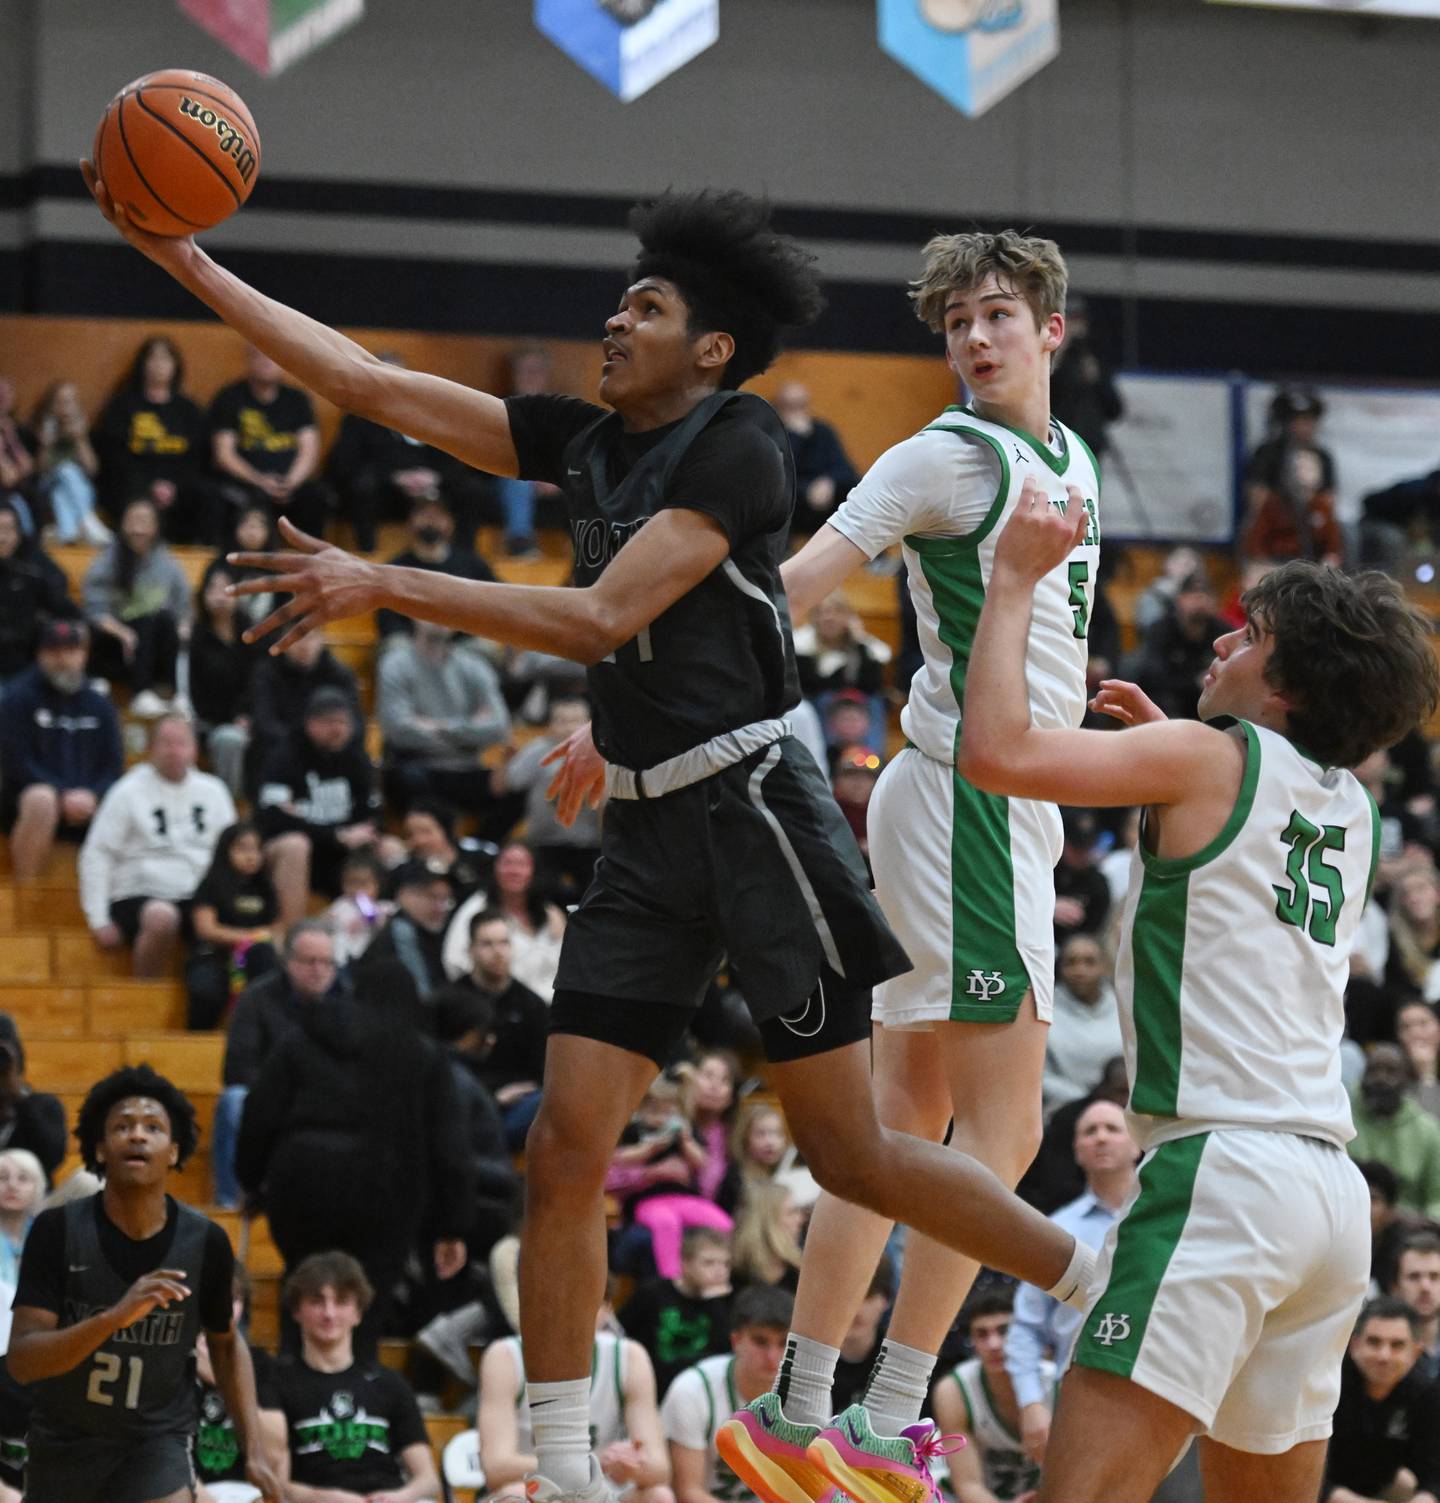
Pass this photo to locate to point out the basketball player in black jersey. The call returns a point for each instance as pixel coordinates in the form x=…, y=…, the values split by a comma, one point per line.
x=114, y=1289
x=720, y=836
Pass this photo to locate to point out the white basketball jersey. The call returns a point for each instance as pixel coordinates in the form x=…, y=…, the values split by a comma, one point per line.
x=948, y=577
x=607, y=1393
x=1233, y=961
x=1007, y=1470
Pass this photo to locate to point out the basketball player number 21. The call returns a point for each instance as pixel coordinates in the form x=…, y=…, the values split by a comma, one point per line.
x=105, y=1372
x=1305, y=868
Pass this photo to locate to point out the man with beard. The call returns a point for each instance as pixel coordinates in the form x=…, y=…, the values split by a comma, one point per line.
x=59, y=749
x=1392, y=1127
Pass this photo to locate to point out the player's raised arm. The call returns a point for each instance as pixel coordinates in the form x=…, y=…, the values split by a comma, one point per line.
x=663, y=561
x=472, y=425
x=825, y=562
x=1002, y=752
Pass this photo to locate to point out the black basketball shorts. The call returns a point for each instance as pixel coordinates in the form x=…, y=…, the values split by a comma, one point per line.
x=100, y=1470
x=754, y=863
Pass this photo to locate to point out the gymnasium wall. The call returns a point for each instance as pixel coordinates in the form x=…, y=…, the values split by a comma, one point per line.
x=1231, y=184
x=876, y=400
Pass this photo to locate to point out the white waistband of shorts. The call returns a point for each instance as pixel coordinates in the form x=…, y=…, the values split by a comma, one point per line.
x=702, y=761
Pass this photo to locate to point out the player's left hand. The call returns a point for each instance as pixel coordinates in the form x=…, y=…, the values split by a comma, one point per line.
x=581, y=778
x=324, y=584
x=1039, y=536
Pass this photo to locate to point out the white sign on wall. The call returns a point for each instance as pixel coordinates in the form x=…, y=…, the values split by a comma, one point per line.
x=1170, y=471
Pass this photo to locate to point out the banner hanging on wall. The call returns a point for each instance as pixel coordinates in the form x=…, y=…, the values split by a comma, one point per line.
x=972, y=52
x=630, y=45
x=270, y=35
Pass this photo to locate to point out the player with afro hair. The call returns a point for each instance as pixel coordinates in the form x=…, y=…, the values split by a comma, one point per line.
x=131, y=1082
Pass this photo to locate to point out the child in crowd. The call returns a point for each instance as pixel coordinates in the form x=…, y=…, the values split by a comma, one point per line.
x=22, y=1189
x=234, y=913
x=680, y=1321
x=655, y=1173
x=766, y=1245
x=759, y=1142
x=707, y=1101
x=359, y=913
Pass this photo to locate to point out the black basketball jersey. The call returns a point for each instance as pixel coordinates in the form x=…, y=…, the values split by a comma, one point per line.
x=721, y=656
x=140, y=1380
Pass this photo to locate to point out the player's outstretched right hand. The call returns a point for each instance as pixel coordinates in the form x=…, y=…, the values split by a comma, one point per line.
x=162, y=1287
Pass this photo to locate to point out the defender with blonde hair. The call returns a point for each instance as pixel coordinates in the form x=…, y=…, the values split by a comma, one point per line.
x=963, y=876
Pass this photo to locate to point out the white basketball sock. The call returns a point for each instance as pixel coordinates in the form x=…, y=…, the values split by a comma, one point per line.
x=807, y=1372
x=560, y=1422
x=896, y=1388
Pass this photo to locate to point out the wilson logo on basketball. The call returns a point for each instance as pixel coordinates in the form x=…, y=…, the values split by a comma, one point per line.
x=232, y=143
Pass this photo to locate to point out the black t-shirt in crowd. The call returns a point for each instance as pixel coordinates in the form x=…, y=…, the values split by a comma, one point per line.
x=522, y=1024
x=720, y=657
x=1373, y=1440
x=43, y=1263
x=219, y=1455
x=347, y=1429
x=267, y=434
x=141, y=441
x=239, y=902
x=676, y=1328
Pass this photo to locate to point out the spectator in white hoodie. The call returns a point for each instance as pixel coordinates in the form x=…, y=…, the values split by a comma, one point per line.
x=151, y=841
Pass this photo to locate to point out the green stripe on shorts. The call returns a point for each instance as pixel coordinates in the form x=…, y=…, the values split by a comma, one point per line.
x=987, y=977
x=1115, y=1327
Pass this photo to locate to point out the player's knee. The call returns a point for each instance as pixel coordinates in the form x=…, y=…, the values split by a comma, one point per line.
x=559, y=1159
x=160, y=919
x=845, y=1166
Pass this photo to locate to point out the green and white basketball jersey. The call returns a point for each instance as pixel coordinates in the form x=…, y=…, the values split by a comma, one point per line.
x=1007, y=1470
x=948, y=576
x=607, y=1393
x=1233, y=961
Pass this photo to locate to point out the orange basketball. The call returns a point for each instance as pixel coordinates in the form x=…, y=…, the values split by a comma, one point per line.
x=178, y=150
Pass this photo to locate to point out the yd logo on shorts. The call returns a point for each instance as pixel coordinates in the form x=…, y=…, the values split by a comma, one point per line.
x=986, y=987
x=1113, y=1328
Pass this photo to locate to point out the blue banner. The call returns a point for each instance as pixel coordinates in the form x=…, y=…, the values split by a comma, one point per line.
x=972, y=52
x=630, y=45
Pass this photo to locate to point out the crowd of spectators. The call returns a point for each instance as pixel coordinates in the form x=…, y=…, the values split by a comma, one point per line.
x=397, y=1035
